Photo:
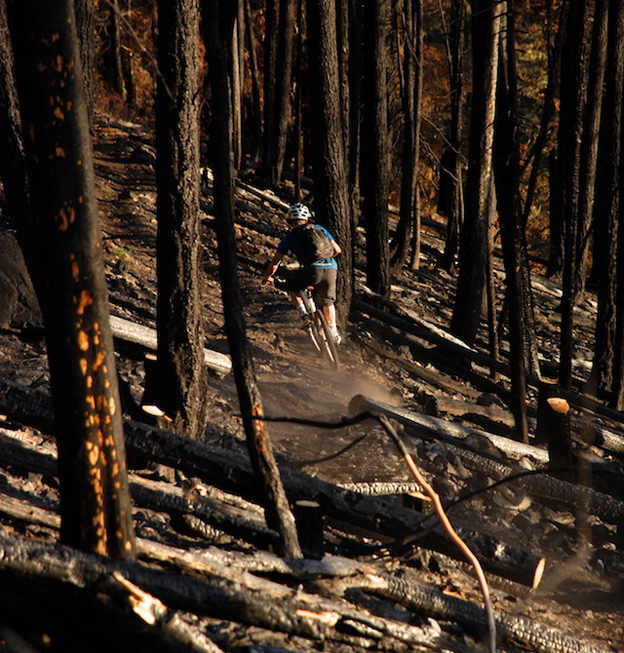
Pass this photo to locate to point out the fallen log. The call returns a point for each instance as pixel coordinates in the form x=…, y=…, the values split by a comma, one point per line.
x=260, y=563
x=431, y=355
x=435, y=378
x=544, y=487
x=229, y=519
x=379, y=489
x=603, y=438
x=232, y=472
x=64, y=618
x=435, y=337
x=523, y=632
x=511, y=448
x=223, y=594
x=154, y=612
x=146, y=337
x=34, y=456
x=375, y=516
x=199, y=561
x=408, y=323
x=419, y=598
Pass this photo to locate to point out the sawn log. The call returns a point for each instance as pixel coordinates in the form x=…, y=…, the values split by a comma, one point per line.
x=232, y=472
x=542, y=486
x=139, y=334
x=383, y=519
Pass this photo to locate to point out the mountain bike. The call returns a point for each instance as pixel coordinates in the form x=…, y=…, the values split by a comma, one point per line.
x=317, y=326
x=322, y=338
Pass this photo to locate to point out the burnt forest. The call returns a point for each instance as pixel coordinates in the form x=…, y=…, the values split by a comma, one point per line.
x=180, y=469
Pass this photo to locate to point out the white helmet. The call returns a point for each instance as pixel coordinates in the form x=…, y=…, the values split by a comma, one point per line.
x=298, y=212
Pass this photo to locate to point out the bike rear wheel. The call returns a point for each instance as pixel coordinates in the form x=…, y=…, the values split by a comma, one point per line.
x=321, y=336
x=329, y=347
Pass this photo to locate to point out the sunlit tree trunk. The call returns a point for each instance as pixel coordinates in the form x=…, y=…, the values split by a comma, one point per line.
x=66, y=265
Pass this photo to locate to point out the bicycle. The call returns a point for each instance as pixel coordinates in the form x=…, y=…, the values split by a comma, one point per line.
x=318, y=328
x=322, y=338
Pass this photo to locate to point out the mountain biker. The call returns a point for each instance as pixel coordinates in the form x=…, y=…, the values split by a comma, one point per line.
x=321, y=273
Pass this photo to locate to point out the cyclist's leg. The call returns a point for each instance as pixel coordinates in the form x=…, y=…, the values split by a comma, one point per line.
x=294, y=281
x=326, y=296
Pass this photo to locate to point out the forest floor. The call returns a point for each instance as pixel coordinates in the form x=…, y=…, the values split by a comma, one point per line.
x=582, y=591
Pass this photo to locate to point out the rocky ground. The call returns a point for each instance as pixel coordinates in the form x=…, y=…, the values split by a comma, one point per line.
x=582, y=591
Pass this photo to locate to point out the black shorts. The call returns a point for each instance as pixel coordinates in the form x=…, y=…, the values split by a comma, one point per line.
x=323, y=280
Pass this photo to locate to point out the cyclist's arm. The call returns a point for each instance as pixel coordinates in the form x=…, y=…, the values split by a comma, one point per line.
x=272, y=267
x=336, y=246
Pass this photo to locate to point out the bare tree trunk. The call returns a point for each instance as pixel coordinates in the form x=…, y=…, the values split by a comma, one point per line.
x=12, y=162
x=507, y=183
x=330, y=166
x=181, y=372
x=354, y=116
x=409, y=218
x=469, y=302
x=67, y=268
x=298, y=135
x=374, y=157
x=589, y=145
x=454, y=207
x=86, y=36
x=237, y=76
x=548, y=113
x=256, y=106
x=114, y=48
x=217, y=20
x=270, y=40
x=607, y=208
x=283, y=77
x=572, y=116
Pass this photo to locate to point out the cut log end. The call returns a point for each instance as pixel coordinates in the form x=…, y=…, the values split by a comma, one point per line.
x=539, y=572
x=559, y=405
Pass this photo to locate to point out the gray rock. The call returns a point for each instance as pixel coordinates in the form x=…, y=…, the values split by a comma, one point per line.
x=19, y=308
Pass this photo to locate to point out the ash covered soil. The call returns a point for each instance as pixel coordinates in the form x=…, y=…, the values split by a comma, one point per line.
x=582, y=591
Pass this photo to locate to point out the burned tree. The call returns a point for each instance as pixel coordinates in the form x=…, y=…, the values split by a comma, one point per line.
x=473, y=246
x=66, y=264
x=181, y=378
x=331, y=177
x=217, y=22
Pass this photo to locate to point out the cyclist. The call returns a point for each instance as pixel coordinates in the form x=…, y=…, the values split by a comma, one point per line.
x=319, y=273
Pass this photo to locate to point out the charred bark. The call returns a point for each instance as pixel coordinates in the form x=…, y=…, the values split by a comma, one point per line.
x=543, y=487
x=330, y=165
x=217, y=26
x=374, y=167
x=469, y=302
x=181, y=373
x=514, y=630
x=66, y=266
x=223, y=593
